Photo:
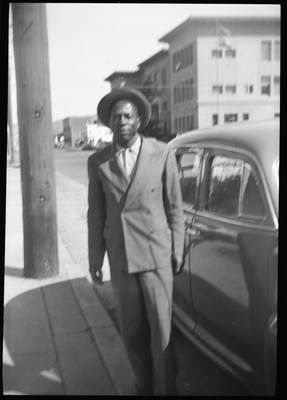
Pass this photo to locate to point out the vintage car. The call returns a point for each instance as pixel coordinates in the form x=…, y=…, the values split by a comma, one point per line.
x=225, y=300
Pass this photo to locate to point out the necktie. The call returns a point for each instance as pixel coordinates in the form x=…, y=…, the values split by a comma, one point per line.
x=128, y=161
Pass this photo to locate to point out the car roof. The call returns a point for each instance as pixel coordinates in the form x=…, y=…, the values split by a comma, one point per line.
x=260, y=138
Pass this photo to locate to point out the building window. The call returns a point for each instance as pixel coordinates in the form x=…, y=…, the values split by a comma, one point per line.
x=230, y=53
x=190, y=55
x=276, y=85
x=277, y=51
x=175, y=94
x=175, y=125
x=216, y=53
x=277, y=115
x=266, y=51
x=217, y=89
x=183, y=91
x=230, y=89
x=179, y=94
x=248, y=88
x=245, y=117
x=178, y=62
x=191, y=89
x=164, y=77
x=183, y=124
x=186, y=90
x=214, y=119
x=266, y=85
x=186, y=56
x=156, y=78
x=173, y=62
x=191, y=127
x=187, y=123
x=230, y=118
x=179, y=124
x=164, y=106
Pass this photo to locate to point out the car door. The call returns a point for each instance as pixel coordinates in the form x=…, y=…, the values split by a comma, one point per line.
x=229, y=261
x=189, y=163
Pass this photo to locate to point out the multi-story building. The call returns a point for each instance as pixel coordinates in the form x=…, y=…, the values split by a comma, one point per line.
x=223, y=70
x=153, y=79
x=119, y=79
x=73, y=128
x=155, y=83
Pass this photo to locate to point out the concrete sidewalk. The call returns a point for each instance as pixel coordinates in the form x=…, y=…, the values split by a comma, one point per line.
x=58, y=337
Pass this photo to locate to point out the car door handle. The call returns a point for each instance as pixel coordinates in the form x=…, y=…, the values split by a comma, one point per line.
x=192, y=232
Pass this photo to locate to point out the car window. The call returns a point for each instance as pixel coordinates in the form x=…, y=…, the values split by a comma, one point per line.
x=233, y=189
x=188, y=164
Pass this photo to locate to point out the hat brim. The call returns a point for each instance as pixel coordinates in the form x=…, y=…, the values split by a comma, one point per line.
x=125, y=93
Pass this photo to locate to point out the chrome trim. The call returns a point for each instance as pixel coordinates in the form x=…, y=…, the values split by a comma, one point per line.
x=236, y=222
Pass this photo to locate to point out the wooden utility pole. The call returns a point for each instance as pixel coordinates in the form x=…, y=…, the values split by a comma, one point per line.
x=36, y=140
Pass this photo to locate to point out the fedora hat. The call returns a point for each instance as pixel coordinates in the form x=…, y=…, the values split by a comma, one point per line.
x=125, y=93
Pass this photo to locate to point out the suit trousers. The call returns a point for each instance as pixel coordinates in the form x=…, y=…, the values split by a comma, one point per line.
x=144, y=302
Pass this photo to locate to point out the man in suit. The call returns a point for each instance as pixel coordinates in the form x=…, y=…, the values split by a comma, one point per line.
x=135, y=214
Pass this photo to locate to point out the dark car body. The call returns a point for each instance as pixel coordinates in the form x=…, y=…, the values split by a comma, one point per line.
x=225, y=300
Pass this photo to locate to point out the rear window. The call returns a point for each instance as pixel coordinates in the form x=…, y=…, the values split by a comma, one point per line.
x=233, y=190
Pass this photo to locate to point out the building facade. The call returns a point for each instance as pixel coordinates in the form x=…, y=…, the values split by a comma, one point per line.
x=155, y=83
x=96, y=132
x=119, y=79
x=153, y=79
x=73, y=128
x=223, y=70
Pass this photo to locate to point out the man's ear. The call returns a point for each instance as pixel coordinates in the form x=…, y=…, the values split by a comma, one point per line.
x=139, y=121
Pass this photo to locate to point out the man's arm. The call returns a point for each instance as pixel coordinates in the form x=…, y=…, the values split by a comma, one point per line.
x=174, y=211
x=96, y=221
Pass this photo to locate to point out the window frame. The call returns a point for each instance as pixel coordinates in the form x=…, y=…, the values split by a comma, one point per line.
x=227, y=89
x=269, y=50
x=267, y=85
x=209, y=154
x=179, y=152
x=216, y=53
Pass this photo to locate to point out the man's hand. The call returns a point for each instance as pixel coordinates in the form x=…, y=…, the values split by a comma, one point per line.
x=177, y=265
x=96, y=274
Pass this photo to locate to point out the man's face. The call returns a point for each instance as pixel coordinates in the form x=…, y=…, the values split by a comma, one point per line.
x=124, y=122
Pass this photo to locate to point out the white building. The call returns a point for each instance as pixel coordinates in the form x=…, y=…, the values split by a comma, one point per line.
x=95, y=132
x=224, y=70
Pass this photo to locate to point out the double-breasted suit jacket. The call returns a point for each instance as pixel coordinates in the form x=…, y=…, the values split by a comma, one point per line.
x=139, y=221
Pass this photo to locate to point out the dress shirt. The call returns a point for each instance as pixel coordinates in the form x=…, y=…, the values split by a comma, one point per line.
x=128, y=155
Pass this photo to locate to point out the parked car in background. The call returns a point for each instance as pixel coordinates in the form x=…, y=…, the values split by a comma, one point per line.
x=225, y=300
x=87, y=145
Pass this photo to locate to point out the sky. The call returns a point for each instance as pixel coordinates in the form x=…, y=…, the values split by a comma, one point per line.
x=90, y=41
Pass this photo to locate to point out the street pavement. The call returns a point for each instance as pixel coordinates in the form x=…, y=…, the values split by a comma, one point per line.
x=58, y=337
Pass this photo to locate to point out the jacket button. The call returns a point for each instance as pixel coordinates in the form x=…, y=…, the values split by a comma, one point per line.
x=147, y=211
x=152, y=232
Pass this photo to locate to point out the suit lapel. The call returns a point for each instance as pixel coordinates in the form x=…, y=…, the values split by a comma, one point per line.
x=114, y=172
x=145, y=164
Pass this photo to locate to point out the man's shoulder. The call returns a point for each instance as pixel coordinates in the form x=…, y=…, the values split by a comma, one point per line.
x=99, y=155
x=156, y=144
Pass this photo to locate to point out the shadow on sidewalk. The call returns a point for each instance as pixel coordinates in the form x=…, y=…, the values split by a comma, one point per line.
x=29, y=362
x=48, y=346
